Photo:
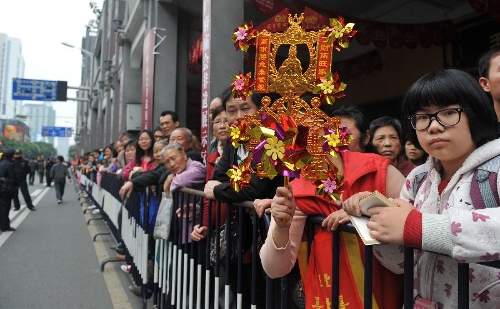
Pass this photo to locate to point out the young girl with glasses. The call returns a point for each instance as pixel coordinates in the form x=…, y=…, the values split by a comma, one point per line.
x=452, y=119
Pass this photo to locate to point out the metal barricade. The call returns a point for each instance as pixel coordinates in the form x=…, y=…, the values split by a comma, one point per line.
x=184, y=276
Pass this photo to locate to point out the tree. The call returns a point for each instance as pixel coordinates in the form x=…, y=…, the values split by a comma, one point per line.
x=72, y=151
x=29, y=149
x=94, y=23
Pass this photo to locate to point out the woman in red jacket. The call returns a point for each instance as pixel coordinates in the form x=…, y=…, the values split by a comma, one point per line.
x=220, y=127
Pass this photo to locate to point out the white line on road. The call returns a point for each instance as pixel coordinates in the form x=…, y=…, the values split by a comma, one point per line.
x=20, y=218
x=36, y=192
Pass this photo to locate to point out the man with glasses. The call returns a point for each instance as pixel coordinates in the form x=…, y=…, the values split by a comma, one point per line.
x=168, y=121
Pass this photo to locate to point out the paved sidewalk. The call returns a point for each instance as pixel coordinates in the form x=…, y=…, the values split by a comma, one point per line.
x=51, y=261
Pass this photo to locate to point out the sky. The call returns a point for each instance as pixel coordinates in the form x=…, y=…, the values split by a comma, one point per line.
x=42, y=26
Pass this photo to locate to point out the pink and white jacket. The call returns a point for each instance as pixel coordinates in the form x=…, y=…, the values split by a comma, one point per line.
x=452, y=230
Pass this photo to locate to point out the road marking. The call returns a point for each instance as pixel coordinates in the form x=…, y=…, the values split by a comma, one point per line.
x=20, y=216
x=36, y=192
x=39, y=197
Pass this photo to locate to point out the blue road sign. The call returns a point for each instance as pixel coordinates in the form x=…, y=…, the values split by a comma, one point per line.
x=34, y=90
x=57, y=131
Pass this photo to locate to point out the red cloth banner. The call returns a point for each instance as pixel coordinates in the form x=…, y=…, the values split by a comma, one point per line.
x=410, y=38
x=205, y=76
x=148, y=73
x=437, y=34
x=314, y=20
x=262, y=63
x=278, y=22
x=424, y=35
x=379, y=35
x=324, y=62
x=395, y=35
x=365, y=30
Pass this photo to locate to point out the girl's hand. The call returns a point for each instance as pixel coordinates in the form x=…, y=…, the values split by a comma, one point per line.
x=332, y=222
x=283, y=207
x=351, y=205
x=387, y=223
x=199, y=232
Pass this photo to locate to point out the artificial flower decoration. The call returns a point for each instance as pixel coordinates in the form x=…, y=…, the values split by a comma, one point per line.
x=339, y=33
x=239, y=176
x=239, y=133
x=274, y=148
x=291, y=137
x=244, y=36
x=242, y=85
x=330, y=88
x=330, y=185
x=336, y=140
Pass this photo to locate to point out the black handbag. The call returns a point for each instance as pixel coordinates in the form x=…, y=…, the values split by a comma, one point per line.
x=223, y=238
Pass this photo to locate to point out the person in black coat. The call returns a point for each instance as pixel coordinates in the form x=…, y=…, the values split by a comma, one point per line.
x=22, y=169
x=8, y=183
x=48, y=167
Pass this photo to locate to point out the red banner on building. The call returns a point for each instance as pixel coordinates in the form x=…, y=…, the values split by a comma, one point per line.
x=205, y=76
x=324, y=62
x=148, y=73
x=278, y=22
x=262, y=63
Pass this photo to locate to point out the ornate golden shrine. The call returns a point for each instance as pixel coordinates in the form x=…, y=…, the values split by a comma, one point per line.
x=291, y=136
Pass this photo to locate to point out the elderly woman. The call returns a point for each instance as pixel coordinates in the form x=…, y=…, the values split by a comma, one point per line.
x=220, y=127
x=386, y=137
x=185, y=173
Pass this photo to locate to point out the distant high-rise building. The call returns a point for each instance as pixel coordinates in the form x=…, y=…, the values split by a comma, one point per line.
x=37, y=116
x=11, y=66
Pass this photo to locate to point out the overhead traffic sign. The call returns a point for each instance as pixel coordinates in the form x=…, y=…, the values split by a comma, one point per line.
x=39, y=90
x=57, y=131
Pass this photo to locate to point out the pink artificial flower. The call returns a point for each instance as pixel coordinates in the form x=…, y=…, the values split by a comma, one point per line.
x=330, y=186
x=241, y=34
x=239, y=84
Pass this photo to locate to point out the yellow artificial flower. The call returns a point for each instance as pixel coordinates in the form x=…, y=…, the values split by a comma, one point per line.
x=275, y=148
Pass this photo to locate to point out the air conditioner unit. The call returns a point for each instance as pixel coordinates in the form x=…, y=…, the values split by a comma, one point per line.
x=134, y=113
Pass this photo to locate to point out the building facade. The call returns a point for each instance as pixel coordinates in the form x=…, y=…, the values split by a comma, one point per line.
x=38, y=116
x=11, y=66
x=151, y=56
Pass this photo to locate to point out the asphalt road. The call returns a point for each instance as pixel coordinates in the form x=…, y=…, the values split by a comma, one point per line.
x=51, y=260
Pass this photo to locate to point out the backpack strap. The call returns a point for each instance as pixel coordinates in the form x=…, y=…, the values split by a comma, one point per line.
x=483, y=190
x=420, y=176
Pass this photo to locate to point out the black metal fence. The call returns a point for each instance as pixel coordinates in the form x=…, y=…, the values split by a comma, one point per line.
x=180, y=273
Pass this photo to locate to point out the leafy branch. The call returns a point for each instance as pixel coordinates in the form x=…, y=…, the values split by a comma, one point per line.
x=94, y=23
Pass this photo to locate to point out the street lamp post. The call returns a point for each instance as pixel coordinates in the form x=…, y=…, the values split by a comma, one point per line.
x=90, y=80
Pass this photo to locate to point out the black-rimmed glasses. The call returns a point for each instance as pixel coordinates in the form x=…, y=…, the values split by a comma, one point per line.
x=447, y=117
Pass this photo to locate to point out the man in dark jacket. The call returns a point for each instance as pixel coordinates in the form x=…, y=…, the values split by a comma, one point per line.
x=8, y=183
x=22, y=169
x=58, y=173
x=33, y=163
x=48, y=167
x=41, y=169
